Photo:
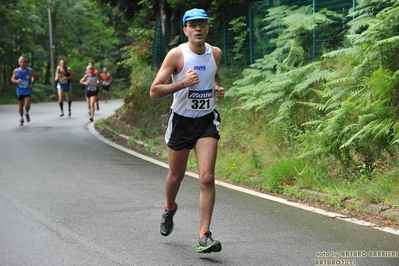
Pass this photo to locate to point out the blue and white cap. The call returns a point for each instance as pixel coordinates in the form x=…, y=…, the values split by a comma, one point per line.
x=194, y=13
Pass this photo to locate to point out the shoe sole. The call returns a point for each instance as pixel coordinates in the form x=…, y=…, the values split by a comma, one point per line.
x=166, y=233
x=215, y=247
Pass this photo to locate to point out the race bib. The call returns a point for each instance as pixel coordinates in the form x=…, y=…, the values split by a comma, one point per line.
x=24, y=84
x=63, y=81
x=200, y=99
x=92, y=87
x=105, y=83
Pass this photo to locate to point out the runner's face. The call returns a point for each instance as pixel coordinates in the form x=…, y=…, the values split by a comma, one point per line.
x=196, y=30
x=22, y=63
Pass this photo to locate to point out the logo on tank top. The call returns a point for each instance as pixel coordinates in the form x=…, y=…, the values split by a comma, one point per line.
x=203, y=94
x=200, y=68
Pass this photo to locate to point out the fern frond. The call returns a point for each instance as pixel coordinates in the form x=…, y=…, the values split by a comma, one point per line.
x=391, y=40
x=395, y=139
x=312, y=78
x=352, y=52
x=343, y=80
x=272, y=97
x=276, y=120
x=312, y=123
x=286, y=106
x=351, y=139
x=317, y=106
x=312, y=153
x=366, y=119
x=333, y=105
x=359, y=23
x=382, y=129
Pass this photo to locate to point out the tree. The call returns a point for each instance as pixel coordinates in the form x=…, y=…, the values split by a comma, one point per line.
x=22, y=30
x=82, y=31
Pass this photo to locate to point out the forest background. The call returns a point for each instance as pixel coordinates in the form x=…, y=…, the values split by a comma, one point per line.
x=294, y=121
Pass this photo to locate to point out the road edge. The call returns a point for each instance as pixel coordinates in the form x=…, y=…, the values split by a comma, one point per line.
x=339, y=216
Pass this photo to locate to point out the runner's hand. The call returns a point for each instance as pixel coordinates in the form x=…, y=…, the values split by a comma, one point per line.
x=219, y=92
x=191, y=78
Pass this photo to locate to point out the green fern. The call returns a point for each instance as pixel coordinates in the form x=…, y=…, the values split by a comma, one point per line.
x=346, y=102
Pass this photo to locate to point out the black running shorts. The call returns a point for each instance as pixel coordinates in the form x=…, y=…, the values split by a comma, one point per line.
x=22, y=97
x=183, y=132
x=91, y=93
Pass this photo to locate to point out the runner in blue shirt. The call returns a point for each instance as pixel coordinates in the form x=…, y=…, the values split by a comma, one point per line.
x=24, y=78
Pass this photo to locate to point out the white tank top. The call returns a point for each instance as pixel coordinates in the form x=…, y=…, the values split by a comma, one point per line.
x=197, y=100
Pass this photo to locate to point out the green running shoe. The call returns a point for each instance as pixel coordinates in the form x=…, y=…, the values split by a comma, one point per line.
x=206, y=244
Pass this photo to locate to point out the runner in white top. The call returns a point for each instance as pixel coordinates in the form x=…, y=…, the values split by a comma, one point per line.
x=193, y=121
x=91, y=82
x=197, y=100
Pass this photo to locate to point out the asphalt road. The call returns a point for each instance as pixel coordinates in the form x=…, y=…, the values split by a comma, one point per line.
x=69, y=198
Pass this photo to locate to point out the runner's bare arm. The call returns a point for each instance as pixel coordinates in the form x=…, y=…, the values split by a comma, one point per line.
x=56, y=74
x=172, y=64
x=219, y=91
x=71, y=73
x=83, y=80
x=32, y=78
x=14, y=79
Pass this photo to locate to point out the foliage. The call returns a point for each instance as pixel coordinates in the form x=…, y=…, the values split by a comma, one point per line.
x=22, y=31
x=239, y=26
x=92, y=39
x=140, y=48
x=271, y=79
x=347, y=102
x=167, y=7
x=96, y=34
x=361, y=122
